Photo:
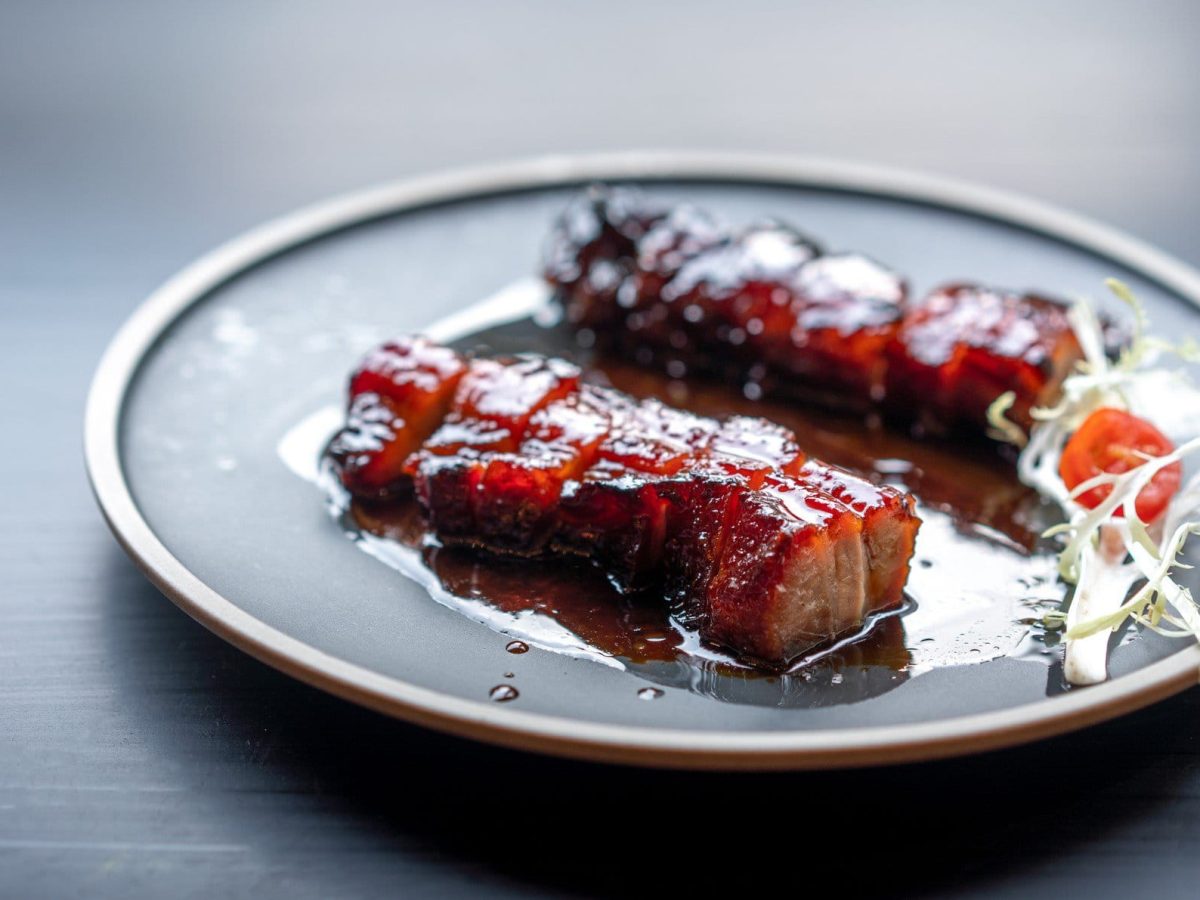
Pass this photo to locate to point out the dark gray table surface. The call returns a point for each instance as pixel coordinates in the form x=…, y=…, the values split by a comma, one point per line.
x=141, y=756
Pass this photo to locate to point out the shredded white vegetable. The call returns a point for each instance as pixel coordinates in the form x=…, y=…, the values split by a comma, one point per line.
x=1102, y=556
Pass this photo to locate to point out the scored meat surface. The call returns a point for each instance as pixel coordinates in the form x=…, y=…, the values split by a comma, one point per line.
x=759, y=549
x=767, y=306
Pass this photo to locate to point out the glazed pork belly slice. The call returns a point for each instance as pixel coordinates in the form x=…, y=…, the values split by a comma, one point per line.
x=399, y=395
x=964, y=345
x=847, y=309
x=759, y=550
x=791, y=575
x=766, y=305
x=763, y=551
x=614, y=514
x=777, y=571
x=589, y=253
x=470, y=475
x=787, y=317
x=890, y=526
x=582, y=477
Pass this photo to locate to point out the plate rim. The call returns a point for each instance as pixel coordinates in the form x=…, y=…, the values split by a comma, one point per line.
x=514, y=728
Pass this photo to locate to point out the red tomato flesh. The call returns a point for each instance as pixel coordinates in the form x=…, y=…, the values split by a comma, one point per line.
x=1114, y=441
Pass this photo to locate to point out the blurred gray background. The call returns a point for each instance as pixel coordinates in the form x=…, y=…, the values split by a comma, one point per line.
x=140, y=756
x=151, y=131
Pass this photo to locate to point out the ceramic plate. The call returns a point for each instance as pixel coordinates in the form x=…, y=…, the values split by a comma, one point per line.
x=208, y=411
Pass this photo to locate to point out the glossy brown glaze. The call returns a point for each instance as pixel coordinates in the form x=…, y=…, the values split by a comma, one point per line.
x=963, y=345
x=399, y=394
x=973, y=482
x=765, y=306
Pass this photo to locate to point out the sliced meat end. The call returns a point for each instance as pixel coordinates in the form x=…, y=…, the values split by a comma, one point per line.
x=791, y=576
x=890, y=525
x=701, y=514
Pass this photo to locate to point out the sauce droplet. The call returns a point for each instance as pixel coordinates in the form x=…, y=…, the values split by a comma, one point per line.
x=517, y=647
x=649, y=693
x=509, y=675
x=502, y=693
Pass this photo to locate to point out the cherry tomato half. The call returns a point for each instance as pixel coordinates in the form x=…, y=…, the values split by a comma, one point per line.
x=1110, y=440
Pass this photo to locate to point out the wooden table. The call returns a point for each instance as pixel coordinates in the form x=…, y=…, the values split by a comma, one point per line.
x=141, y=756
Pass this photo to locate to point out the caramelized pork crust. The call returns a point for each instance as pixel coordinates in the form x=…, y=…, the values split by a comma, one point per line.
x=759, y=549
x=591, y=249
x=768, y=307
x=964, y=345
x=766, y=304
x=399, y=395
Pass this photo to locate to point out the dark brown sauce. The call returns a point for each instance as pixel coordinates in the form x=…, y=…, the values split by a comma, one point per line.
x=634, y=628
x=570, y=607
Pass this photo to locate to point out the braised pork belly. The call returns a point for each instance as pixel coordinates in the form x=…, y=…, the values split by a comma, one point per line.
x=767, y=307
x=759, y=549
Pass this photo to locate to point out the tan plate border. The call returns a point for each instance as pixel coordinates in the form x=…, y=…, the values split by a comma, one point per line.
x=515, y=728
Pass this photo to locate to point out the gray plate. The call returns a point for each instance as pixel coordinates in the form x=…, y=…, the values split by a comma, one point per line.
x=196, y=392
